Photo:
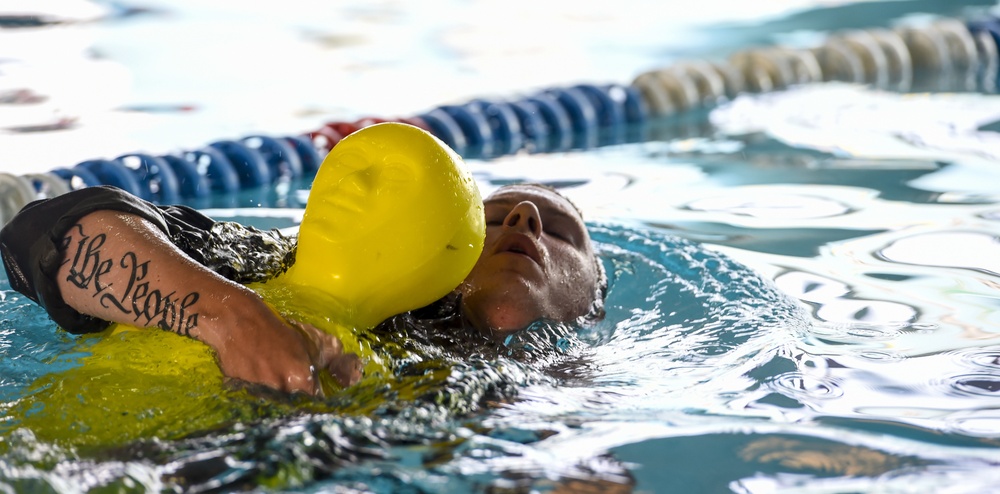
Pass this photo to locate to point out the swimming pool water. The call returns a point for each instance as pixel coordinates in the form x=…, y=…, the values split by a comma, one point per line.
x=853, y=348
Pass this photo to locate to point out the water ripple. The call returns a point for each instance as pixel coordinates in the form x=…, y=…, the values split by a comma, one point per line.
x=978, y=251
x=974, y=384
x=834, y=301
x=857, y=333
x=811, y=287
x=871, y=311
x=801, y=386
x=975, y=423
x=983, y=358
x=770, y=204
x=882, y=356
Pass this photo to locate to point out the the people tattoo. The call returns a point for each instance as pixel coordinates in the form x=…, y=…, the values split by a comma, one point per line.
x=91, y=268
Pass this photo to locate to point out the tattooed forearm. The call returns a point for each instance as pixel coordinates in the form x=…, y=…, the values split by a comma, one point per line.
x=123, y=285
x=87, y=267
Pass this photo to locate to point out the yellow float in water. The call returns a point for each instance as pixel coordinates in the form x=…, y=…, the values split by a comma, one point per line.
x=394, y=221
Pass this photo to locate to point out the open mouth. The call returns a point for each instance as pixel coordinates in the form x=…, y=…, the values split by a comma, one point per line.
x=516, y=243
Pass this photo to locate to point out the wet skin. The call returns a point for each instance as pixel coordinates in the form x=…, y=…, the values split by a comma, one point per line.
x=538, y=263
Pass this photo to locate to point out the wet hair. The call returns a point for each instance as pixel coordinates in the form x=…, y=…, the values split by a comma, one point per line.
x=596, y=312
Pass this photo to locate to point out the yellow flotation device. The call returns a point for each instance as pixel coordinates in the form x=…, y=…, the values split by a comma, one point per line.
x=393, y=222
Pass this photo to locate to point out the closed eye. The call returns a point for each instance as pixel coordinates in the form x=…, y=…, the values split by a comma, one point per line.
x=557, y=235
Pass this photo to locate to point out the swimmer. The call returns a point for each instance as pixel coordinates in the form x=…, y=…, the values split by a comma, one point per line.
x=100, y=255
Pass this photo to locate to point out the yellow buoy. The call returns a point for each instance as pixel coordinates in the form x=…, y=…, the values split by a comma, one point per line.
x=393, y=223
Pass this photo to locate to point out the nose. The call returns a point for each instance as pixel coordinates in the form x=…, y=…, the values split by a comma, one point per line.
x=524, y=217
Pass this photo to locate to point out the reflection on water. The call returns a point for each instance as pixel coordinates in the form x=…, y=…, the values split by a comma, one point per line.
x=979, y=251
x=889, y=238
x=834, y=304
x=859, y=351
x=772, y=205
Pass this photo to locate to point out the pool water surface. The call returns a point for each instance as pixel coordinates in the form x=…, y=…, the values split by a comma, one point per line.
x=804, y=291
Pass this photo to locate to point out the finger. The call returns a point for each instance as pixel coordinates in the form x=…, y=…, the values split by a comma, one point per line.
x=326, y=346
x=301, y=382
x=310, y=345
x=346, y=369
x=330, y=347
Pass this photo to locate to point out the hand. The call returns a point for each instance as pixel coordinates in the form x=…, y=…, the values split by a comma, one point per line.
x=329, y=355
x=284, y=355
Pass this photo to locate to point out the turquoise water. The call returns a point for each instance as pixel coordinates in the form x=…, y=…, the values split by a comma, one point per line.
x=804, y=284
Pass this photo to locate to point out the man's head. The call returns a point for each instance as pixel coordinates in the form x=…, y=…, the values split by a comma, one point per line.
x=538, y=263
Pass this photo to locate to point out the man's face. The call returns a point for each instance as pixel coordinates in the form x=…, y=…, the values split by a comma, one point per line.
x=537, y=263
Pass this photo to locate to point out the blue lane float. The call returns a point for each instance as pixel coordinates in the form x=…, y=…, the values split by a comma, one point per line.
x=280, y=156
x=157, y=181
x=114, y=173
x=216, y=168
x=444, y=127
x=609, y=113
x=582, y=115
x=77, y=178
x=633, y=107
x=505, y=126
x=534, y=128
x=478, y=135
x=309, y=158
x=558, y=120
x=986, y=33
x=248, y=163
x=190, y=183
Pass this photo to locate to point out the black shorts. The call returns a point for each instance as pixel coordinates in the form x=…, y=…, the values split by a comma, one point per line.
x=30, y=246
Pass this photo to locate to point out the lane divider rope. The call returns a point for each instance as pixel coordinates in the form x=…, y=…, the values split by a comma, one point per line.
x=945, y=55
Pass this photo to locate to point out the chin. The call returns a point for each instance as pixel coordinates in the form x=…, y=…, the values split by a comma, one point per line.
x=501, y=305
x=497, y=321
x=503, y=325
